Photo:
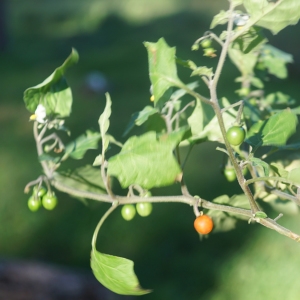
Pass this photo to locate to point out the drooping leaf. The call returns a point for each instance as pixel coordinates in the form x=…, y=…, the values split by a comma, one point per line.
x=162, y=68
x=104, y=123
x=273, y=15
x=147, y=161
x=116, y=274
x=77, y=148
x=273, y=132
x=219, y=19
x=86, y=179
x=53, y=93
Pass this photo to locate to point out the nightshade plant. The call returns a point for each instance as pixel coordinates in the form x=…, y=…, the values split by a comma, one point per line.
x=153, y=159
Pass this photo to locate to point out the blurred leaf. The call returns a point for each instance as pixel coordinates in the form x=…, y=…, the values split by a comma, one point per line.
x=140, y=117
x=162, y=68
x=47, y=157
x=251, y=40
x=258, y=162
x=147, y=161
x=279, y=98
x=273, y=15
x=204, y=124
x=294, y=176
x=284, y=206
x=104, y=123
x=53, y=93
x=203, y=71
x=98, y=161
x=261, y=214
x=277, y=168
x=116, y=274
x=257, y=82
x=86, y=179
x=77, y=148
x=244, y=62
x=275, y=61
x=273, y=132
x=219, y=19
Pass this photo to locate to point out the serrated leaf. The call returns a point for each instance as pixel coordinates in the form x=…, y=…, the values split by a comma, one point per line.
x=116, y=274
x=86, y=179
x=203, y=71
x=147, y=161
x=162, y=69
x=77, y=148
x=104, y=123
x=258, y=162
x=53, y=93
x=273, y=132
x=273, y=15
x=140, y=118
x=219, y=19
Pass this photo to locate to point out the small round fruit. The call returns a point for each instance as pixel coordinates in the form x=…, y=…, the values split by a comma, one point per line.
x=203, y=224
x=34, y=204
x=206, y=43
x=229, y=174
x=49, y=201
x=144, y=209
x=40, y=192
x=244, y=91
x=235, y=135
x=128, y=212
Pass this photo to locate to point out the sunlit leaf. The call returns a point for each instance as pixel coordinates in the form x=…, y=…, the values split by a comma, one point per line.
x=273, y=132
x=162, y=68
x=273, y=15
x=220, y=18
x=53, y=93
x=147, y=161
x=116, y=274
x=104, y=123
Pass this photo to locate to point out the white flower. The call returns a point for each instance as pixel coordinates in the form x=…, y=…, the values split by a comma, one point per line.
x=241, y=19
x=39, y=114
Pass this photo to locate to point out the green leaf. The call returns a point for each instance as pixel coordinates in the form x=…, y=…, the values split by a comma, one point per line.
x=203, y=71
x=261, y=214
x=162, y=68
x=147, y=161
x=258, y=162
x=220, y=18
x=97, y=161
x=87, y=179
x=256, y=82
x=77, y=148
x=294, y=176
x=140, y=118
x=275, y=60
x=279, y=98
x=279, y=170
x=273, y=15
x=251, y=40
x=47, y=157
x=53, y=93
x=116, y=274
x=273, y=132
x=104, y=123
x=244, y=62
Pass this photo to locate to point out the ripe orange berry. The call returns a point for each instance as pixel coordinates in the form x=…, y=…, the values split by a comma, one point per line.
x=204, y=224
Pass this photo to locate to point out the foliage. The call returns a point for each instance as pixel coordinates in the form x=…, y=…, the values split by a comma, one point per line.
x=153, y=159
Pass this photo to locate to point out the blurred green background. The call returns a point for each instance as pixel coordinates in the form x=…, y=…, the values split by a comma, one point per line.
x=249, y=262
